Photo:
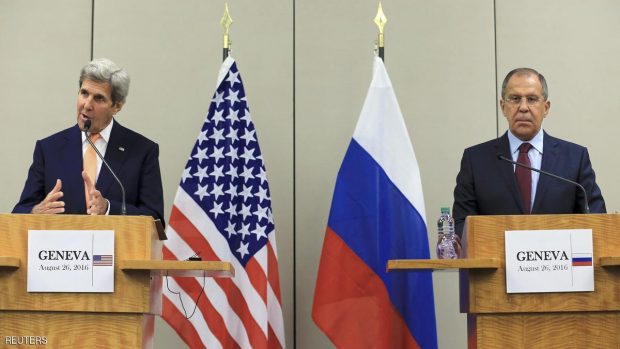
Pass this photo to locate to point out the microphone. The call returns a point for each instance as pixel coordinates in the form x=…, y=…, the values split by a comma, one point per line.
x=87, y=125
x=585, y=196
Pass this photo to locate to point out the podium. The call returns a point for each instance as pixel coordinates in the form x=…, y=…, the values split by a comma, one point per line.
x=496, y=319
x=122, y=319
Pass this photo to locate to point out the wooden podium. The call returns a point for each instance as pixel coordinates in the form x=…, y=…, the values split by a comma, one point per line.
x=122, y=319
x=497, y=319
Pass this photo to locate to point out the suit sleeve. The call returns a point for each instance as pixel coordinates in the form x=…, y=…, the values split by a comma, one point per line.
x=587, y=179
x=34, y=188
x=465, y=202
x=150, y=200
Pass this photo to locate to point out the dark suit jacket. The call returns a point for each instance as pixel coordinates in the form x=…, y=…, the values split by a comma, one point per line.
x=486, y=185
x=133, y=157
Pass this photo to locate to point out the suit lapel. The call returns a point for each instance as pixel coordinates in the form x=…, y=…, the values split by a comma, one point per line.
x=506, y=170
x=115, y=155
x=549, y=164
x=71, y=161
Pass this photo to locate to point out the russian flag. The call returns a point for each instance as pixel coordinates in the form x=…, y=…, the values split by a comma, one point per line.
x=582, y=259
x=377, y=214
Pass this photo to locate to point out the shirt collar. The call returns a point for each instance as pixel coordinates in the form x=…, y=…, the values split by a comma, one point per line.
x=536, y=142
x=105, y=133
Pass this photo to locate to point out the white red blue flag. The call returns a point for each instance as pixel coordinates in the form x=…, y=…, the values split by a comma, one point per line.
x=377, y=214
x=222, y=212
x=582, y=259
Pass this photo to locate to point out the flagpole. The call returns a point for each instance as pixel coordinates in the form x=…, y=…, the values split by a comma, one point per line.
x=226, y=21
x=380, y=20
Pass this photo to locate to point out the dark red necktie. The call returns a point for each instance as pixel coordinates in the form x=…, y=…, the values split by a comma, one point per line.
x=524, y=176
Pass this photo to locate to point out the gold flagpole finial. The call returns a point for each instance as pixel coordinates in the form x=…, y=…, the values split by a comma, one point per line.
x=380, y=21
x=226, y=21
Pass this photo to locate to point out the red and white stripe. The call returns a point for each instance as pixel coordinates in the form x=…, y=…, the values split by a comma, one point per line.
x=241, y=312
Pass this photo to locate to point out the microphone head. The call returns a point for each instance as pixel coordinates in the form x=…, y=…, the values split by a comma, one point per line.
x=87, y=124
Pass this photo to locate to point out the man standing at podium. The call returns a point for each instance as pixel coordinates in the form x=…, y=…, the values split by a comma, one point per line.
x=67, y=176
x=489, y=185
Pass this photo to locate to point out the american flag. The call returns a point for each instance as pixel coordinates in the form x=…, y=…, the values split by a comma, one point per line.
x=222, y=211
x=102, y=260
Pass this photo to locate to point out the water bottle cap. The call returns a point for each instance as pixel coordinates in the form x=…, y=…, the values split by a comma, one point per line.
x=445, y=210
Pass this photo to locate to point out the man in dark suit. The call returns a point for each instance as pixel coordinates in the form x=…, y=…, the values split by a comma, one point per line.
x=487, y=185
x=58, y=181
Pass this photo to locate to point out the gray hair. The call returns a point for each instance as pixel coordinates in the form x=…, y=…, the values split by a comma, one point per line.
x=104, y=70
x=526, y=71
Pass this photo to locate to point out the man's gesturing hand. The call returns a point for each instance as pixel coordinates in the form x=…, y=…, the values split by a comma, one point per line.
x=51, y=203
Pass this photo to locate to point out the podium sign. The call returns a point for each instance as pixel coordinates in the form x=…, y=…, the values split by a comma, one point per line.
x=549, y=261
x=70, y=261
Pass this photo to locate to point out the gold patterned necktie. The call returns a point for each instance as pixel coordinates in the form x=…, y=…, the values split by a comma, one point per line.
x=90, y=164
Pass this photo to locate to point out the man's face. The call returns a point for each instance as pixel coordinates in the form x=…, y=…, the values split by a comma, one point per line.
x=95, y=103
x=523, y=105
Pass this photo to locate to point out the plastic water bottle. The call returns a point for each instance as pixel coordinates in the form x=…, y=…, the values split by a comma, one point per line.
x=447, y=244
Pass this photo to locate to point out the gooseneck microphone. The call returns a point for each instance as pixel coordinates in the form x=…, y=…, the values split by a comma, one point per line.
x=585, y=196
x=87, y=125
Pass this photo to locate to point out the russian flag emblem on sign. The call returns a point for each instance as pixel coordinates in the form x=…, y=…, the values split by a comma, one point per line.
x=582, y=259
